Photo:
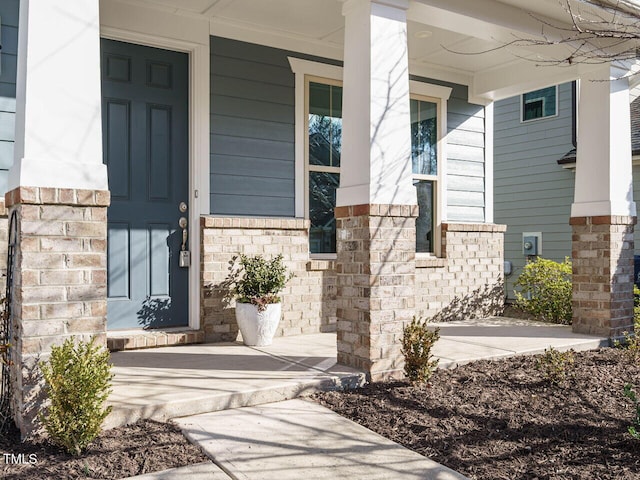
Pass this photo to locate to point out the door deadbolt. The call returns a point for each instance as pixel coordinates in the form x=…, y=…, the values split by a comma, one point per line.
x=182, y=207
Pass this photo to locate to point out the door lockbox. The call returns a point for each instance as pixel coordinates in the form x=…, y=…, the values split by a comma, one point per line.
x=185, y=259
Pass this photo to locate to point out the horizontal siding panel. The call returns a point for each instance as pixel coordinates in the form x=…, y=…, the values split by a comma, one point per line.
x=251, y=147
x=541, y=176
x=9, y=11
x=257, y=110
x=552, y=148
x=465, y=152
x=461, y=107
x=9, y=68
x=6, y=155
x=9, y=39
x=252, y=90
x=244, y=69
x=250, y=128
x=251, y=186
x=465, y=214
x=461, y=137
x=464, y=122
x=465, y=199
x=465, y=184
x=461, y=167
x=252, y=205
x=231, y=165
x=8, y=104
x=7, y=126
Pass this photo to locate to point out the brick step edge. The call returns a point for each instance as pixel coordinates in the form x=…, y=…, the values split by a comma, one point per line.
x=136, y=341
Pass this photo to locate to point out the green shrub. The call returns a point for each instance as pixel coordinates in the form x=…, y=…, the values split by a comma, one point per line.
x=630, y=393
x=257, y=280
x=556, y=366
x=545, y=290
x=78, y=380
x=417, y=341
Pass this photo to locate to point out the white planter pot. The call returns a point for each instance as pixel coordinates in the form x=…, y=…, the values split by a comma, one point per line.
x=258, y=328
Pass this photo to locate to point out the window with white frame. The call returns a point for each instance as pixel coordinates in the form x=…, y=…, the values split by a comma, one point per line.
x=424, y=159
x=324, y=144
x=540, y=104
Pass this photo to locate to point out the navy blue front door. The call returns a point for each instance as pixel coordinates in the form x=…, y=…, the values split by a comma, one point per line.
x=145, y=134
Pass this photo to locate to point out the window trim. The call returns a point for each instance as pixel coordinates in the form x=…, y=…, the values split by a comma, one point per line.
x=302, y=69
x=308, y=79
x=544, y=117
x=438, y=194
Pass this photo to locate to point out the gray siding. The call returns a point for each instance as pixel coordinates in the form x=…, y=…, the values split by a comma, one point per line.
x=9, y=20
x=465, y=156
x=532, y=192
x=252, y=130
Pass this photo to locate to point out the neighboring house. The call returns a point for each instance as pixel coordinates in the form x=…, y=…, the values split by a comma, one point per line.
x=339, y=134
x=534, y=171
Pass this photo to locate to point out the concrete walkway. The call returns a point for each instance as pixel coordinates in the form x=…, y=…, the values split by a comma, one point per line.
x=299, y=439
x=295, y=439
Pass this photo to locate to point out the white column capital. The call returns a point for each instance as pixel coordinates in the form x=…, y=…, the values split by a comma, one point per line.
x=58, y=97
x=603, y=162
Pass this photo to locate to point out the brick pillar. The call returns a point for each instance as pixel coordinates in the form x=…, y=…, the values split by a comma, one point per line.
x=603, y=275
x=59, y=285
x=376, y=285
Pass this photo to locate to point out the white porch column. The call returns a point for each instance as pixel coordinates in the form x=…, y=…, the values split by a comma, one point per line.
x=58, y=192
x=603, y=170
x=376, y=139
x=376, y=202
x=603, y=212
x=58, y=119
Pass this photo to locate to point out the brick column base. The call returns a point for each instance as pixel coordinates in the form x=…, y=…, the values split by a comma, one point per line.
x=59, y=284
x=602, y=251
x=376, y=285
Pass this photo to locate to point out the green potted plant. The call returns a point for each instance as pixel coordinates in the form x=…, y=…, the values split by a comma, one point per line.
x=256, y=283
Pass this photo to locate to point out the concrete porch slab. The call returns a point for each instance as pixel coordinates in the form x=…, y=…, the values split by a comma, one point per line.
x=172, y=382
x=186, y=380
x=469, y=340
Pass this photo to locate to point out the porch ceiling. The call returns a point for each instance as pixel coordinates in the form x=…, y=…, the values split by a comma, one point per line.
x=439, y=31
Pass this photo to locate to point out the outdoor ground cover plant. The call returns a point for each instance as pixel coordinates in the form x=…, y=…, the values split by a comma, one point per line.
x=503, y=419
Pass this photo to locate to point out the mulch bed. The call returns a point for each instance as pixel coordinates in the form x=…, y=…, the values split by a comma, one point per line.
x=144, y=447
x=502, y=420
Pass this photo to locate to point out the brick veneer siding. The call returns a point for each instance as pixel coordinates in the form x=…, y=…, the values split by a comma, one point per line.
x=308, y=301
x=467, y=281
x=602, y=251
x=376, y=285
x=60, y=282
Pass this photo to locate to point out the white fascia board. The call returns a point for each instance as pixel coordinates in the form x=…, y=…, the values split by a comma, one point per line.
x=520, y=77
x=486, y=19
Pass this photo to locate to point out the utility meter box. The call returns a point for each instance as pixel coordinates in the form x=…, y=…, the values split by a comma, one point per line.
x=532, y=243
